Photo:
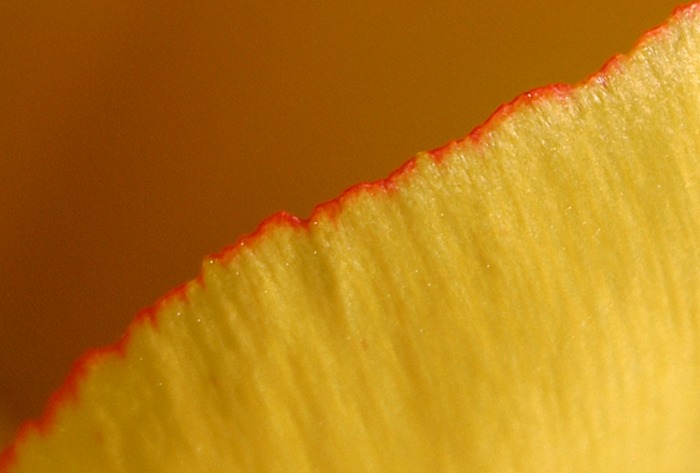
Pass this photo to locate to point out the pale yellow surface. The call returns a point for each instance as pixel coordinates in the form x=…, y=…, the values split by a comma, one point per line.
x=530, y=303
x=138, y=136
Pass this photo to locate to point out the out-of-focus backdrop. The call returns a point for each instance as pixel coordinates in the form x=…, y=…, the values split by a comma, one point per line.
x=137, y=137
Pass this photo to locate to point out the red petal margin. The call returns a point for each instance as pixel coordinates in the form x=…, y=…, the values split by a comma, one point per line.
x=68, y=392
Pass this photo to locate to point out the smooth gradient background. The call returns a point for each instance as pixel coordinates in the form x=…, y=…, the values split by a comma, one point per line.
x=137, y=137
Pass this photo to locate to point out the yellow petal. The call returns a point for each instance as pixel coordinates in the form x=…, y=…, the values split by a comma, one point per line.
x=526, y=299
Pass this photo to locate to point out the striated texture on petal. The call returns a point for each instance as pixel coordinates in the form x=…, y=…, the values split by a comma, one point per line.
x=527, y=299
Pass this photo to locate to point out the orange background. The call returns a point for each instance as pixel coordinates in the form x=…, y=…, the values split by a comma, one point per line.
x=137, y=137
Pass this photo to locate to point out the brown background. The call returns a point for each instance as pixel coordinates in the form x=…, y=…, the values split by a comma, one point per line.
x=136, y=137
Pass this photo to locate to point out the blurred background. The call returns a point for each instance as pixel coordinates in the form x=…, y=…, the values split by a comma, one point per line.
x=138, y=137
